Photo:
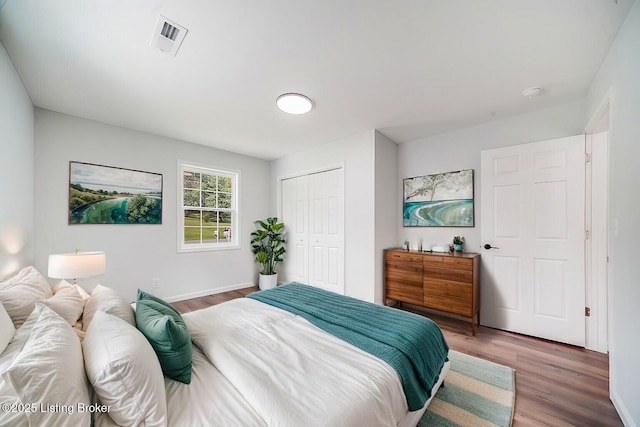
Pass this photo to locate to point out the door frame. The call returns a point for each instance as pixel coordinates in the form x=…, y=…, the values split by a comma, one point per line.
x=598, y=325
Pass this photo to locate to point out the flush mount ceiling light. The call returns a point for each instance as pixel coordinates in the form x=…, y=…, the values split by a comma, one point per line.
x=532, y=92
x=294, y=103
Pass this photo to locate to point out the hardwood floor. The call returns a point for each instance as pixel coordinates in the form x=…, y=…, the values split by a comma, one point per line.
x=556, y=384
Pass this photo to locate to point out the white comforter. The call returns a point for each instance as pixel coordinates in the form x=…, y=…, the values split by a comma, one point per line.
x=210, y=400
x=293, y=374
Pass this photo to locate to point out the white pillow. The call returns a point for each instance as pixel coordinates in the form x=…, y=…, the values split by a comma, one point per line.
x=67, y=302
x=49, y=371
x=85, y=296
x=125, y=372
x=20, y=293
x=7, y=330
x=108, y=300
x=17, y=342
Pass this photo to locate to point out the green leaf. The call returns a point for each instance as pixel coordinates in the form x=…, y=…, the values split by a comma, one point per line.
x=267, y=243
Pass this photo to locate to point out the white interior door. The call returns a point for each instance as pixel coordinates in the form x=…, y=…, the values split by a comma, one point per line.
x=295, y=215
x=533, y=208
x=325, y=230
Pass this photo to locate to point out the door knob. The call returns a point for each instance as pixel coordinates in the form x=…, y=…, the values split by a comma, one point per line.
x=488, y=246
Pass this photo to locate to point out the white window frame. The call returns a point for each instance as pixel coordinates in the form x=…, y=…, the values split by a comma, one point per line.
x=233, y=243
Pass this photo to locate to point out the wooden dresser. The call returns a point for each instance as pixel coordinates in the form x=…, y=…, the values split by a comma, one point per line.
x=449, y=283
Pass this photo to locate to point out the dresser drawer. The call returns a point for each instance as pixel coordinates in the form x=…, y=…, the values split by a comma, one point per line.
x=413, y=278
x=407, y=267
x=404, y=291
x=446, y=289
x=452, y=274
x=452, y=262
x=403, y=256
x=451, y=305
x=449, y=296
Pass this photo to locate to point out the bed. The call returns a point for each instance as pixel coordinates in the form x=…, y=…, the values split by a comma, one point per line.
x=275, y=358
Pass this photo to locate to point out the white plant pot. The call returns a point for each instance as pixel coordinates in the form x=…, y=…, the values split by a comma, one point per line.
x=268, y=281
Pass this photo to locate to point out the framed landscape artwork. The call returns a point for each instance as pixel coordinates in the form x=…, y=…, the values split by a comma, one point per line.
x=439, y=200
x=110, y=195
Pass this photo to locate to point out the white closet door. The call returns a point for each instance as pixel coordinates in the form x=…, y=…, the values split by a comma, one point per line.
x=326, y=212
x=295, y=215
x=313, y=214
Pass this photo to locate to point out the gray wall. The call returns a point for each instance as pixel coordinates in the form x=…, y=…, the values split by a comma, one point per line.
x=461, y=149
x=386, y=210
x=16, y=170
x=356, y=155
x=138, y=253
x=619, y=76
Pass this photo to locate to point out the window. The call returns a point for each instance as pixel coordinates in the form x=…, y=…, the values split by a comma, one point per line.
x=208, y=213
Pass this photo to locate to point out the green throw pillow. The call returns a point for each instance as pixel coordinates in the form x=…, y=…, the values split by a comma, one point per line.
x=165, y=329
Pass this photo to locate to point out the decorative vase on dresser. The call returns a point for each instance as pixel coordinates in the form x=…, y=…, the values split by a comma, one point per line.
x=449, y=283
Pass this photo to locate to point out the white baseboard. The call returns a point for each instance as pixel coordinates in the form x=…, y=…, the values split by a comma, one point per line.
x=206, y=292
x=622, y=410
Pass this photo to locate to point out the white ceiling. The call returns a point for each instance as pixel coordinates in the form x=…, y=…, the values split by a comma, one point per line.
x=408, y=68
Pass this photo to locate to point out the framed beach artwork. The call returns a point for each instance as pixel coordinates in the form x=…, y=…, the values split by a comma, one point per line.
x=110, y=195
x=438, y=200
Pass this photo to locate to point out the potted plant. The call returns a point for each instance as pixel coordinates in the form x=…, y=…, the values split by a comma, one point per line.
x=267, y=244
x=458, y=243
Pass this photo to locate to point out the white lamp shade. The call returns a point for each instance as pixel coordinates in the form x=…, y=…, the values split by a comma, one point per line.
x=77, y=265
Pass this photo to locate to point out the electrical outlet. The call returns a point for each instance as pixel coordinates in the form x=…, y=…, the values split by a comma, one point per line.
x=155, y=283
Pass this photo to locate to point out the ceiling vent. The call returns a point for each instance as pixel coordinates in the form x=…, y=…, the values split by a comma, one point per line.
x=168, y=36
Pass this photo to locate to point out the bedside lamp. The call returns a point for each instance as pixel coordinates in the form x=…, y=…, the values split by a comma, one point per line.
x=76, y=265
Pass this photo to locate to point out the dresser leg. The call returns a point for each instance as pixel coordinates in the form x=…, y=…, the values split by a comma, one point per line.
x=473, y=323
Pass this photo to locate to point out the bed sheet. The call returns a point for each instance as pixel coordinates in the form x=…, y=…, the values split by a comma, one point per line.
x=8, y=395
x=291, y=372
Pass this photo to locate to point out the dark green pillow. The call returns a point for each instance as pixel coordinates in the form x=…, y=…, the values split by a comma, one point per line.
x=166, y=331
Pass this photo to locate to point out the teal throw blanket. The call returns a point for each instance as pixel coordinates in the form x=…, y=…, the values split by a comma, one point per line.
x=413, y=345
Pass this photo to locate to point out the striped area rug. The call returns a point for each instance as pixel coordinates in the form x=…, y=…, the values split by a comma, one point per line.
x=477, y=393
